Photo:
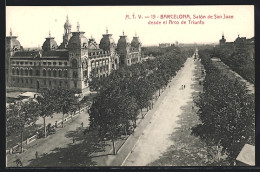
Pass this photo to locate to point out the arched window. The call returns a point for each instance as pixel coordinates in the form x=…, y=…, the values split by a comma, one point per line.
x=75, y=74
x=26, y=72
x=55, y=73
x=49, y=72
x=65, y=73
x=60, y=73
x=13, y=71
x=44, y=72
x=74, y=63
x=30, y=72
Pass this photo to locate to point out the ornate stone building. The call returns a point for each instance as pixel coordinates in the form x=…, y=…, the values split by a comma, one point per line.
x=70, y=64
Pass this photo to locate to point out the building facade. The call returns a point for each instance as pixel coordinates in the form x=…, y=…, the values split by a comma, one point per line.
x=70, y=64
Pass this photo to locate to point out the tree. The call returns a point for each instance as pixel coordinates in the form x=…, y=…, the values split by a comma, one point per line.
x=20, y=115
x=226, y=111
x=65, y=100
x=46, y=105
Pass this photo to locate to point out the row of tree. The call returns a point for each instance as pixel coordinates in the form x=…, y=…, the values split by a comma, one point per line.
x=240, y=59
x=126, y=91
x=226, y=111
x=22, y=114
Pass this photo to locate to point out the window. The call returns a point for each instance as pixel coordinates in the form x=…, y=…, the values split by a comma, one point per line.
x=49, y=83
x=60, y=73
x=55, y=73
x=44, y=72
x=17, y=80
x=21, y=63
x=44, y=82
x=26, y=72
x=13, y=71
x=30, y=72
x=65, y=73
x=44, y=63
x=75, y=74
x=75, y=84
x=49, y=63
x=74, y=63
x=54, y=63
x=21, y=71
x=26, y=63
x=22, y=80
x=65, y=63
x=31, y=81
x=13, y=62
x=31, y=63
x=49, y=72
x=60, y=83
x=37, y=72
x=60, y=63
x=26, y=81
x=17, y=63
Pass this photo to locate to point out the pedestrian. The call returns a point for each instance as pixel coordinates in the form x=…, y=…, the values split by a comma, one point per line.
x=82, y=124
x=73, y=139
x=184, y=86
x=56, y=125
x=36, y=155
x=18, y=162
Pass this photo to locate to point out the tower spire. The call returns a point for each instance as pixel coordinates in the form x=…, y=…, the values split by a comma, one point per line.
x=106, y=30
x=123, y=32
x=135, y=34
x=78, y=26
x=67, y=17
x=49, y=33
x=11, y=33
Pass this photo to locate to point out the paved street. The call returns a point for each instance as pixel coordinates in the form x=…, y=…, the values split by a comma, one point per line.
x=155, y=137
x=46, y=145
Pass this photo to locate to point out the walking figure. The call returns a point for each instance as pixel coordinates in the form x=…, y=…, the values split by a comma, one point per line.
x=18, y=162
x=56, y=125
x=82, y=124
x=184, y=86
x=36, y=155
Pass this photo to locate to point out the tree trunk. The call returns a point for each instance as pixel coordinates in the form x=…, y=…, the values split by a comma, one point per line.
x=125, y=130
x=142, y=114
x=63, y=120
x=44, y=126
x=114, y=147
x=22, y=141
x=218, y=154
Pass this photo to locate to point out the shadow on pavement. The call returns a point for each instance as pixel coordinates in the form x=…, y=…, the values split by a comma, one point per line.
x=77, y=154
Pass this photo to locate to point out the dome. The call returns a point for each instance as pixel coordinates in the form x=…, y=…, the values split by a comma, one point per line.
x=49, y=44
x=123, y=41
x=67, y=24
x=106, y=42
x=78, y=40
x=135, y=42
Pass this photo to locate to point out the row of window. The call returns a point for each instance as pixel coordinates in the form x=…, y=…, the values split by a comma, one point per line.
x=43, y=63
x=45, y=83
x=54, y=73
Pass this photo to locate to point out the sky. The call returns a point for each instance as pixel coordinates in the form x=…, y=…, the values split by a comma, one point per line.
x=32, y=23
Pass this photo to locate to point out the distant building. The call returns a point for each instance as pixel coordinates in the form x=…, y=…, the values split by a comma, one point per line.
x=164, y=45
x=69, y=64
x=239, y=43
